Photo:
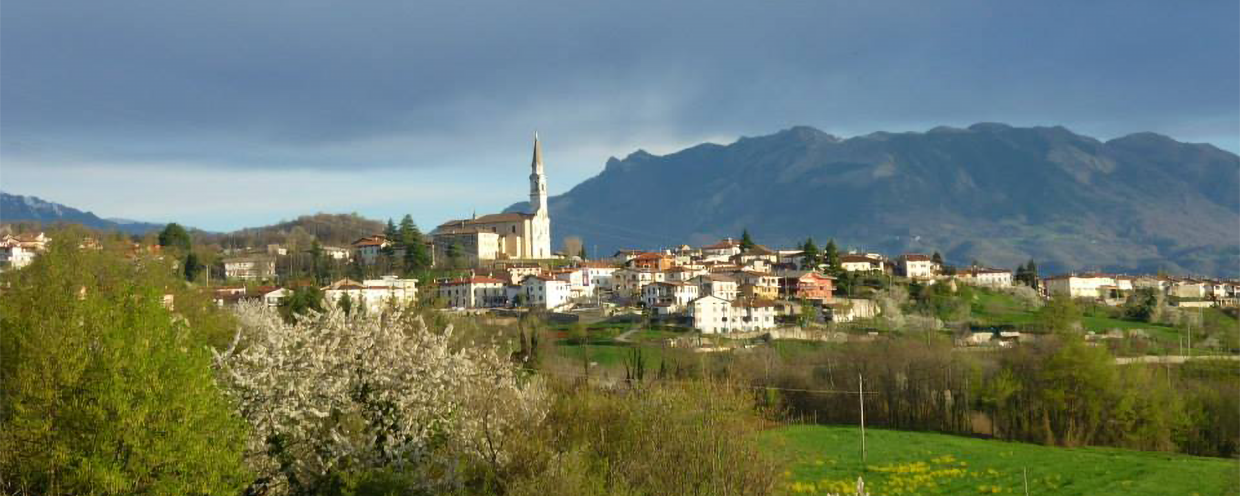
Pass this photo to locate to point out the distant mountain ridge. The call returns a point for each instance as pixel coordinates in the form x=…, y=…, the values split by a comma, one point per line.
x=991, y=192
x=15, y=208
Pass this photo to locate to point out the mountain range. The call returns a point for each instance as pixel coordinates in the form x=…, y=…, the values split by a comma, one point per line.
x=991, y=193
x=14, y=208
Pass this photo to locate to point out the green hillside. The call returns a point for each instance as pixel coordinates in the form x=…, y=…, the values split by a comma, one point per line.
x=822, y=459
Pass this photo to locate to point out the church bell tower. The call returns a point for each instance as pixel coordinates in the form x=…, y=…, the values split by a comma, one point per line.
x=538, y=182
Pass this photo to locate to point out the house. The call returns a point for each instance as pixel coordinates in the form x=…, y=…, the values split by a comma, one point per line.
x=599, y=274
x=861, y=262
x=629, y=282
x=650, y=261
x=1188, y=289
x=250, y=268
x=717, y=285
x=723, y=250
x=758, y=252
x=18, y=251
x=917, y=266
x=336, y=253
x=474, y=292
x=672, y=295
x=517, y=272
x=545, y=292
x=578, y=281
x=982, y=276
x=275, y=297
x=758, y=285
x=1099, y=286
x=713, y=315
x=808, y=286
x=369, y=248
x=373, y=294
x=276, y=250
x=684, y=273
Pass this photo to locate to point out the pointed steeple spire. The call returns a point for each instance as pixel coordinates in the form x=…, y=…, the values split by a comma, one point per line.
x=537, y=163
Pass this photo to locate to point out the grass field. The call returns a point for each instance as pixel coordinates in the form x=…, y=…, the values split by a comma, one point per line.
x=822, y=459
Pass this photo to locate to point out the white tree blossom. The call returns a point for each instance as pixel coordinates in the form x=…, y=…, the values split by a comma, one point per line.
x=356, y=391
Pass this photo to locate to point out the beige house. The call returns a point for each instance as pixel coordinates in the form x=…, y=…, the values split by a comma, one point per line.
x=861, y=263
x=471, y=246
x=629, y=282
x=368, y=249
x=981, y=276
x=671, y=295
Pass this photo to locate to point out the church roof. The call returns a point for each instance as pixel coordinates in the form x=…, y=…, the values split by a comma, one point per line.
x=488, y=219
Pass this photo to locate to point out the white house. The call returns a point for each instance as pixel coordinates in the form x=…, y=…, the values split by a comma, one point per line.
x=517, y=272
x=917, y=266
x=600, y=274
x=545, y=292
x=981, y=276
x=1080, y=285
x=373, y=294
x=18, y=251
x=723, y=250
x=578, y=282
x=861, y=263
x=336, y=253
x=684, y=273
x=712, y=315
x=276, y=296
x=474, y=292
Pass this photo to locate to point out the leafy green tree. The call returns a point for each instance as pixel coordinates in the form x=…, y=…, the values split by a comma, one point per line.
x=746, y=241
x=811, y=254
x=192, y=266
x=175, y=236
x=1144, y=305
x=1060, y=314
x=105, y=391
x=831, y=257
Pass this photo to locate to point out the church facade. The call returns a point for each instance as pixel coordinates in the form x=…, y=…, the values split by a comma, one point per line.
x=515, y=235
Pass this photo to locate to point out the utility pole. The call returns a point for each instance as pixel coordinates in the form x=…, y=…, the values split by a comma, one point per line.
x=861, y=401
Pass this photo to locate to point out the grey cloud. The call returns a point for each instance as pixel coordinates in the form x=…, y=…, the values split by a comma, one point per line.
x=419, y=84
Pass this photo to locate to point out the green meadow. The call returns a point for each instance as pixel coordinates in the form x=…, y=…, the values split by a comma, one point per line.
x=826, y=459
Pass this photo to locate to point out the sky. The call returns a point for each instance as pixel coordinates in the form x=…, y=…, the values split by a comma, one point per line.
x=224, y=114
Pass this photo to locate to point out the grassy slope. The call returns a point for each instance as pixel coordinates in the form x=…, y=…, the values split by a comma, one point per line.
x=992, y=308
x=822, y=458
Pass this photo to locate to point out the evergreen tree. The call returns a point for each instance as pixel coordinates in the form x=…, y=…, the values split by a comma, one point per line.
x=346, y=304
x=811, y=255
x=318, y=263
x=1031, y=272
x=746, y=241
x=416, y=256
x=1022, y=275
x=582, y=255
x=175, y=236
x=831, y=257
x=192, y=266
x=937, y=259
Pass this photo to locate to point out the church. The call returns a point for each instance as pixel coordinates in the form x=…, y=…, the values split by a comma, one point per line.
x=506, y=236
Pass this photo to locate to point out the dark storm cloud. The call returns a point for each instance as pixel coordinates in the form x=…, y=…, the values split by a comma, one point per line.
x=349, y=84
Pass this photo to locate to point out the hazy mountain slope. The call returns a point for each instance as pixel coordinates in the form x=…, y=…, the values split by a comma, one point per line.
x=15, y=208
x=990, y=192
